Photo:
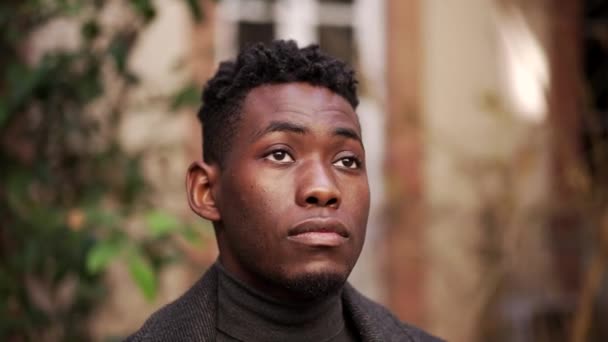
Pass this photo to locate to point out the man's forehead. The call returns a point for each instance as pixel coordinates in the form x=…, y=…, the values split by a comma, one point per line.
x=298, y=99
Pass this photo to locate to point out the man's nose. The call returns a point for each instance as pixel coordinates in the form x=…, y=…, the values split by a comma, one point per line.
x=317, y=187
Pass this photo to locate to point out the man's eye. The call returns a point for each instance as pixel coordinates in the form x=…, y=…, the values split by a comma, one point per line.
x=279, y=156
x=348, y=163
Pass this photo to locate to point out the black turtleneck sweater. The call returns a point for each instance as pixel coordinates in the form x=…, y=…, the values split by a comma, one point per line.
x=245, y=314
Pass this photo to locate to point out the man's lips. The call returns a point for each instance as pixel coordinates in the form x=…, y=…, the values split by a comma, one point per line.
x=321, y=232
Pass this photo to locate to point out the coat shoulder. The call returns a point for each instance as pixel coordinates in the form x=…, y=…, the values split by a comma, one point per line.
x=191, y=317
x=377, y=323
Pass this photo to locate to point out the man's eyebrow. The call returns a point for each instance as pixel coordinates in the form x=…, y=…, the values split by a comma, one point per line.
x=280, y=126
x=348, y=133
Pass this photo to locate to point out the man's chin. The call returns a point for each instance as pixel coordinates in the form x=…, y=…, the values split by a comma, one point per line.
x=310, y=286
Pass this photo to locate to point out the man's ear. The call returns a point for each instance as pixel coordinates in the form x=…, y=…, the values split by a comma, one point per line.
x=201, y=184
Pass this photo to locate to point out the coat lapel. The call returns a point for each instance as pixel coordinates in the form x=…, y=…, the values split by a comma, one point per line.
x=373, y=322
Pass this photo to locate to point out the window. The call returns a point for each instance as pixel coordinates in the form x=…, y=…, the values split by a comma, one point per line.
x=326, y=22
x=249, y=33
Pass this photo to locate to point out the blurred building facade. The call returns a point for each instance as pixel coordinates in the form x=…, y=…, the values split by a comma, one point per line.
x=470, y=114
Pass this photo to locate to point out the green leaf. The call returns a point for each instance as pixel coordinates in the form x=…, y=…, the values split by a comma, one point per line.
x=119, y=50
x=188, y=96
x=195, y=10
x=90, y=30
x=134, y=181
x=89, y=84
x=143, y=275
x=100, y=256
x=161, y=223
x=4, y=113
x=22, y=82
x=191, y=235
x=145, y=9
x=17, y=193
x=101, y=218
x=69, y=8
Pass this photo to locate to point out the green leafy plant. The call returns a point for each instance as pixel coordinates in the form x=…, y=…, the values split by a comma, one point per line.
x=68, y=189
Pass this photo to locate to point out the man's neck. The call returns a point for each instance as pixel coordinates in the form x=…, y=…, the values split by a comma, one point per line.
x=297, y=291
x=245, y=313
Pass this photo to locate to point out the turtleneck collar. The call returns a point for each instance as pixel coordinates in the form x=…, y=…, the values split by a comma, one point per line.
x=246, y=314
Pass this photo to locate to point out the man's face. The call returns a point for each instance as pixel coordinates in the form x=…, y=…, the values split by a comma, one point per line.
x=293, y=195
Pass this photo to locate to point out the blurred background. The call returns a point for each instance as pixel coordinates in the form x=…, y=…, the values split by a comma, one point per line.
x=485, y=123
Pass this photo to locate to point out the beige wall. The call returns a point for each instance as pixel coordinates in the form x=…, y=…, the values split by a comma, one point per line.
x=485, y=172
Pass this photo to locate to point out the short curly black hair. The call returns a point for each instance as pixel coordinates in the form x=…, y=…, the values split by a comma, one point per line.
x=279, y=62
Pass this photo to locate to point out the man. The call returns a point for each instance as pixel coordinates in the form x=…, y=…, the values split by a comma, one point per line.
x=283, y=180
